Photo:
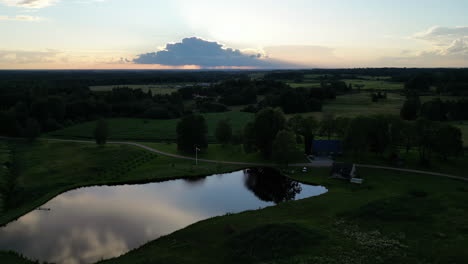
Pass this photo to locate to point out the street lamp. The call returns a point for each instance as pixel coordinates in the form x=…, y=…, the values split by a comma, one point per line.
x=196, y=154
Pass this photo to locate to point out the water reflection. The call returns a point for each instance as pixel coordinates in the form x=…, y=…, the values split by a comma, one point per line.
x=89, y=224
x=270, y=186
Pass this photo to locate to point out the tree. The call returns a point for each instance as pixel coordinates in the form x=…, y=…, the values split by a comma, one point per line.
x=448, y=141
x=249, y=138
x=192, y=132
x=223, y=132
x=419, y=83
x=328, y=125
x=101, y=132
x=426, y=137
x=267, y=124
x=356, y=139
x=305, y=127
x=378, y=134
x=434, y=110
x=32, y=129
x=410, y=109
x=284, y=147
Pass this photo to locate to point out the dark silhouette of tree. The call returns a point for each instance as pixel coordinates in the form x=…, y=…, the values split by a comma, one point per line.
x=410, y=109
x=270, y=186
x=267, y=124
x=448, y=141
x=356, y=139
x=101, y=132
x=419, y=83
x=284, y=147
x=192, y=132
x=223, y=132
x=306, y=127
x=434, y=110
x=249, y=139
x=32, y=129
x=328, y=125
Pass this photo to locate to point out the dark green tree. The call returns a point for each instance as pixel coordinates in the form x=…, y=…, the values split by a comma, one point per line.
x=328, y=125
x=223, y=132
x=357, y=135
x=448, y=141
x=434, y=110
x=101, y=132
x=410, y=109
x=32, y=129
x=192, y=132
x=426, y=138
x=249, y=138
x=267, y=124
x=284, y=147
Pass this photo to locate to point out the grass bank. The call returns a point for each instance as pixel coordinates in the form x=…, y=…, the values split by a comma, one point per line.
x=393, y=218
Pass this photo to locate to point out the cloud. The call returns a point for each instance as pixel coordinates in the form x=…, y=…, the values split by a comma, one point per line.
x=207, y=54
x=25, y=57
x=442, y=35
x=449, y=48
x=21, y=18
x=30, y=3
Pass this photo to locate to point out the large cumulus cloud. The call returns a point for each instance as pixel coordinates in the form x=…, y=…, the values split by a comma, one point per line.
x=206, y=54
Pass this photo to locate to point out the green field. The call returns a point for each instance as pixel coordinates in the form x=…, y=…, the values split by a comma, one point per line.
x=392, y=218
x=151, y=130
x=375, y=84
x=155, y=88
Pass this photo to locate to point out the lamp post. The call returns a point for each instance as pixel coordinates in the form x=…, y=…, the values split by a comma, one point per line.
x=196, y=154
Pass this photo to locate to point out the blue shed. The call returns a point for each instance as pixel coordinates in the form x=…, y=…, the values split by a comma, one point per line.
x=327, y=147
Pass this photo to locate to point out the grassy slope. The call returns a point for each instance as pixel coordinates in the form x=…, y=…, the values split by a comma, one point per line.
x=431, y=227
x=157, y=130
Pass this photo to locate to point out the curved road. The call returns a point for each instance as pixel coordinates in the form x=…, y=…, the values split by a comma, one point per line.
x=316, y=164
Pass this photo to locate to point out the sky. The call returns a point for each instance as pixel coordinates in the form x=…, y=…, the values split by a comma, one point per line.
x=240, y=34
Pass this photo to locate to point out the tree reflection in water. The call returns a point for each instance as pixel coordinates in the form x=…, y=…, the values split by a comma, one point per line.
x=270, y=186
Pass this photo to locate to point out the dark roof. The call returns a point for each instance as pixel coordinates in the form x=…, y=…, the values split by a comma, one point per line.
x=326, y=146
x=343, y=169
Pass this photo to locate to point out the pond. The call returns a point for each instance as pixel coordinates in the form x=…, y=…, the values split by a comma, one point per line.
x=89, y=224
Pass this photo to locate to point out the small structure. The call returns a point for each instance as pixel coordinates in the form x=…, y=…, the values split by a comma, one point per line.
x=326, y=148
x=345, y=171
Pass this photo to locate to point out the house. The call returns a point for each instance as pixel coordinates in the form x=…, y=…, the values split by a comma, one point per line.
x=345, y=171
x=327, y=147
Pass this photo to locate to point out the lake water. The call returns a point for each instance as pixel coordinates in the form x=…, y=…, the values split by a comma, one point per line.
x=90, y=224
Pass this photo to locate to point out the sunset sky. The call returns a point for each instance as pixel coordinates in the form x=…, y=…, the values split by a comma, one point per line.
x=185, y=34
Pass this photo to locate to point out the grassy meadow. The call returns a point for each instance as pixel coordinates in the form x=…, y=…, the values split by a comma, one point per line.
x=150, y=130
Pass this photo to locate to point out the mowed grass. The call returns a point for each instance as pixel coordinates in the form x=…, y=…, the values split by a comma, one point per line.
x=50, y=168
x=392, y=218
x=228, y=153
x=155, y=88
x=150, y=130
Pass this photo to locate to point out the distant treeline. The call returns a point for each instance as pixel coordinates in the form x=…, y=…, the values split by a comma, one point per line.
x=32, y=101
